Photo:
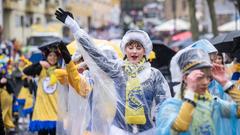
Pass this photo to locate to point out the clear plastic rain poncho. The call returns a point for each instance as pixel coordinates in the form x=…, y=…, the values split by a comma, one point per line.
x=106, y=111
x=176, y=74
x=209, y=115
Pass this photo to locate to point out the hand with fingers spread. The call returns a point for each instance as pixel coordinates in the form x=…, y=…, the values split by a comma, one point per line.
x=192, y=79
x=219, y=74
x=64, y=52
x=61, y=15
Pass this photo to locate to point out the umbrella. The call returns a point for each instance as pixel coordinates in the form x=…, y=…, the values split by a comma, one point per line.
x=170, y=25
x=182, y=36
x=73, y=46
x=181, y=44
x=236, y=49
x=46, y=46
x=163, y=54
x=230, y=26
x=224, y=42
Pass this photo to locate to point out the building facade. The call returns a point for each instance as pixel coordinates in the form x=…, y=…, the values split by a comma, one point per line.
x=95, y=13
x=20, y=15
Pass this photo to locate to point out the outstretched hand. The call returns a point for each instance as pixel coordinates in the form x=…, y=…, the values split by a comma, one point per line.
x=61, y=15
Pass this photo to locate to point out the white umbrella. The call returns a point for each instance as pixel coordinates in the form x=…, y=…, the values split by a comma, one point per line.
x=230, y=26
x=169, y=25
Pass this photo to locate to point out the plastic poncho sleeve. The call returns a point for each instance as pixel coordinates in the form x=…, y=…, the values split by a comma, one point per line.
x=61, y=75
x=167, y=115
x=78, y=82
x=108, y=66
x=184, y=117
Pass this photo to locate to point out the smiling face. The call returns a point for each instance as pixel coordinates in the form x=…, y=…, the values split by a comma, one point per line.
x=52, y=58
x=134, y=51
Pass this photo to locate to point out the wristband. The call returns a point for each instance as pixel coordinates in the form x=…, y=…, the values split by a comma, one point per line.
x=228, y=86
x=191, y=102
x=190, y=97
x=188, y=94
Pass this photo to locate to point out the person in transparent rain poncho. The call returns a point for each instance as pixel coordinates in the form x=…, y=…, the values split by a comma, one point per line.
x=193, y=110
x=75, y=87
x=214, y=87
x=124, y=92
x=80, y=83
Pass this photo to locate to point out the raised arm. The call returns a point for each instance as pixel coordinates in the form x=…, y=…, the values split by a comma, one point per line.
x=77, y=81
x=33, y=70
x=219, y=74
x=110, y=67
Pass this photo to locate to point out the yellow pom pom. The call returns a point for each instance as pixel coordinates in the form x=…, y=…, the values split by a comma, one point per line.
x=152, y=55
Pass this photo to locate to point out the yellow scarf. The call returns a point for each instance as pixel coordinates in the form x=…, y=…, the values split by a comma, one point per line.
x=134, y=108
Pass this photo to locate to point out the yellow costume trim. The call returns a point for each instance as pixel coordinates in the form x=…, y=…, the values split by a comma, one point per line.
x=25, y=94
x=184, y=117
x=6, y=104
x=235, y=95
x=53, y=78
x=237, y=67
x=189, y=65
x=61, y=75
x=76, y=81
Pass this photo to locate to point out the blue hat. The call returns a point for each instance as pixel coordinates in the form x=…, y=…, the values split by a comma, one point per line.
x=193, y=59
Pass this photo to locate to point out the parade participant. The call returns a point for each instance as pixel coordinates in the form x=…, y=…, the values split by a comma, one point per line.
x=5, y=46
x=17, y=53
x=45, y=109
x=194, y=110
x=2, y=131
x=176, y=72
x=214, y=87
x=78, y=92
x=219, y=59
x=6, y=96
x=25, y=97
x=80, y=80
x=133, y=84
x=236, y=73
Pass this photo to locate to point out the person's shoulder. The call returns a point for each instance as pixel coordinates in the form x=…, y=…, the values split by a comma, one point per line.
x=156, y=71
